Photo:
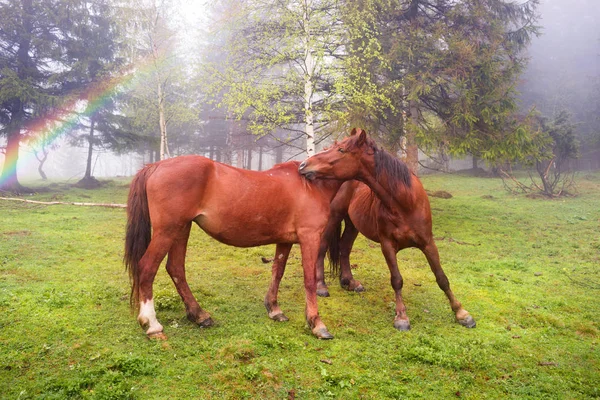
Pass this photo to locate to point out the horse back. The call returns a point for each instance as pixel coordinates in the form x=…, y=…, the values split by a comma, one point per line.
x=236, y=206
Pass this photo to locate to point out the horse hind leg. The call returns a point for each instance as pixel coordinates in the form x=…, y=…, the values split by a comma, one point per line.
x=147, y=268
x=176, y=270
x=347, y=280
x=462, y=316
x=282, y=251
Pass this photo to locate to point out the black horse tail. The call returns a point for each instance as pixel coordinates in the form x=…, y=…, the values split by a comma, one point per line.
x=138, y=231
x=333, y=249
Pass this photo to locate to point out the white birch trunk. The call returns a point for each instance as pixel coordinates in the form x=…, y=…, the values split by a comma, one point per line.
x=162, y=122
x=309, y=64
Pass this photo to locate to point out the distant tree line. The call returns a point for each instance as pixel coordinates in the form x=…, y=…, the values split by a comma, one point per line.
x=436, y=75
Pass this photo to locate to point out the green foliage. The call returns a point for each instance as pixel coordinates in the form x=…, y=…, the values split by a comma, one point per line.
x=275, y=64
x=457, y=63
x=524, y=268
x=52, y=53
x=557, y=144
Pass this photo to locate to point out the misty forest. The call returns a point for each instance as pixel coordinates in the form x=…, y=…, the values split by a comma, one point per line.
x=102, y=87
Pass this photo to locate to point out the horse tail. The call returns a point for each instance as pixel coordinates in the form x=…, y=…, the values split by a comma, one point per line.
x=333, y=249
x=138, y=231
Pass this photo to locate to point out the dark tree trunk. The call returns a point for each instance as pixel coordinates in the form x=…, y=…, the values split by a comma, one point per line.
x=88, y=181
x=249, y=160
x=8, y=179
x=88, y=168
x=260, y=158
x=41, y=165
x=412, y=150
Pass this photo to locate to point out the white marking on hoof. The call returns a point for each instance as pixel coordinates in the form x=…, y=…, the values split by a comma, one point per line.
x=147, y=317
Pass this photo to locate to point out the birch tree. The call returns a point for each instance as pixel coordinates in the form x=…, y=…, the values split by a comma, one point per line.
x=281, y=65
x=160, y=100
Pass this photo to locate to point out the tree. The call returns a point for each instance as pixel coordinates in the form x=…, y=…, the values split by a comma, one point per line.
x=166, y=99
x=50, y=51
x=423, y=63
x=96, y=53
x=281, y=64
x=558, y=145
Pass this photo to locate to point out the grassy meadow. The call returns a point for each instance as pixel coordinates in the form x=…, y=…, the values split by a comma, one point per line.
x=528, y=270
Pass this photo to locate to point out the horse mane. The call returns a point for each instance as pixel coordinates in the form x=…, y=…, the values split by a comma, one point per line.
x=395, y=170
x=390, y=171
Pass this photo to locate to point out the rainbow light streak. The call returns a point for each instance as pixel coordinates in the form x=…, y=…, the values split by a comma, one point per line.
x=47, y=129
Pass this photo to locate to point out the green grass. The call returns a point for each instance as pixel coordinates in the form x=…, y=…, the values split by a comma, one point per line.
x=526, y=269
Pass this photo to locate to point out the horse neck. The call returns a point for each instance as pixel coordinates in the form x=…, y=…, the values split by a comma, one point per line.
x=390, y=198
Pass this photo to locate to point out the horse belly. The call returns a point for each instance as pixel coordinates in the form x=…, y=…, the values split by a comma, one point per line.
x=246, y=230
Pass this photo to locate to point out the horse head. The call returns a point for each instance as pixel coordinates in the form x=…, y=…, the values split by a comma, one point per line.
x=348, y=159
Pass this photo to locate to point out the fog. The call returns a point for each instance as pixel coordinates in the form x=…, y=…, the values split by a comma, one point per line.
x=563, y=73
x=564, y=67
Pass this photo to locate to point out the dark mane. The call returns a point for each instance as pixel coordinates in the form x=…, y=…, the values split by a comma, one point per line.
x=395, y=170
x=389, y=170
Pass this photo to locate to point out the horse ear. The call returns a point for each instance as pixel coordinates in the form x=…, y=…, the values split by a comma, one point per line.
x=353, y=132
x=362, y=138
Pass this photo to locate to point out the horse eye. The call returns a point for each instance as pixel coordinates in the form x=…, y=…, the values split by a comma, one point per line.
x=341, y=150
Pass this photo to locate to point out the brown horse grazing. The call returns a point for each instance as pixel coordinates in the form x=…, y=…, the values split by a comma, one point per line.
x=397, y=216
x=237, y=207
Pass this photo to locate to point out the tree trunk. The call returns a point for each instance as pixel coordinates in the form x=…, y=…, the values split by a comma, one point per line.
x=249, y=160
x=309, y=65
x=162, y=121
x=8, y=180
x=260, y=158
x=41, y=164
x=88, y=166
x=475, y=161
x=412, y=150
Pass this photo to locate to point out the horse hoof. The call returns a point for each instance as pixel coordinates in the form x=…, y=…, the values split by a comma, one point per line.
x=468, y=322
x=280, y=317
x=359, y=289
x=322, y=292
x=322, y=333
x=402, y=324
x=156, y=336
x=206, y=323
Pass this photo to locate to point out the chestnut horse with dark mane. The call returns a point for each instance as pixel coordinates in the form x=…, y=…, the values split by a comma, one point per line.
x=237, y=207
x=387, y=204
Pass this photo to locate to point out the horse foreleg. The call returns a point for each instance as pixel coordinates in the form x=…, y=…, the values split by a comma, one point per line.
x=176, y=270
x=401, y=321
x=462, y=316
x=148, y=266
x=347, y=281
x=310, y=249
x=282, y=251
